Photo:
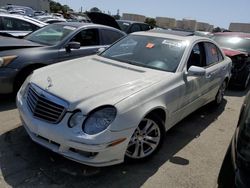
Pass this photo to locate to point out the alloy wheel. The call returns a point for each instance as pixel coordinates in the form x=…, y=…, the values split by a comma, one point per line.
x=145, y=140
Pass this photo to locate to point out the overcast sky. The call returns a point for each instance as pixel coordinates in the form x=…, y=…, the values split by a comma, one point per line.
x=216, y=12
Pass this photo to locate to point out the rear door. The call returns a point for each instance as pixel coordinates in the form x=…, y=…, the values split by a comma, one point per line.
x=216, y=70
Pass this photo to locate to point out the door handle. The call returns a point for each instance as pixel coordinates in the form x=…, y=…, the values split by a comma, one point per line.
x=209, y=76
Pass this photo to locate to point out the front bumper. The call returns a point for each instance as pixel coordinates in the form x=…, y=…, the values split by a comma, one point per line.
x=93, y=150
x=7, y=77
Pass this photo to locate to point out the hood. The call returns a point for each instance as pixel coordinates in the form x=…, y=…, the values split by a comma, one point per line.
x=230, y=52
x=90, y=82
x=8, y=43
x=103, y=19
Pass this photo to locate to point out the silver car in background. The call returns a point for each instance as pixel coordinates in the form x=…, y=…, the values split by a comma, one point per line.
x=101, y=110
x=18, y=25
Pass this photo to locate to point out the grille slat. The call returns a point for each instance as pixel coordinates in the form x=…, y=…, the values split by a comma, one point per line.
x=44, y=105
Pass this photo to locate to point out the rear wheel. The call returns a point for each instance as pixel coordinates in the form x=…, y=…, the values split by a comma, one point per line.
x=220, y=94
x=146, y=140
x=245, y=80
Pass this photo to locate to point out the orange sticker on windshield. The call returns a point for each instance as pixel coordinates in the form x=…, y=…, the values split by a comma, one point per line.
x=150, y=45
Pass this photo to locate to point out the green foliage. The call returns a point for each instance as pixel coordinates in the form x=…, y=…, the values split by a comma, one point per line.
x=57, y=7
x=151, y=21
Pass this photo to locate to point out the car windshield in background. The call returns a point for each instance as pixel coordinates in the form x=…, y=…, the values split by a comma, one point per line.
x=51, y=34
x=147, y=51
x=233, y=42
x=123, y=25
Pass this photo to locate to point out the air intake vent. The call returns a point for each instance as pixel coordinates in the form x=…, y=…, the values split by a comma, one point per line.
x=45, y=106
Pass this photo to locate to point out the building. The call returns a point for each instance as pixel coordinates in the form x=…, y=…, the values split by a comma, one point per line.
x=189, y=25
x=39, y=5
x=202, y=26
x=240, y=27
x=164, y=22
x=133, y=17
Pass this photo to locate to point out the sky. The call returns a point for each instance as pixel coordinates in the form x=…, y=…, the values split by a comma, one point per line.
x=215, y=12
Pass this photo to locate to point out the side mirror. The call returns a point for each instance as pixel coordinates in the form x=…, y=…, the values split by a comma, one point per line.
x=72, y=45
x=196, y=71
x=100, y=50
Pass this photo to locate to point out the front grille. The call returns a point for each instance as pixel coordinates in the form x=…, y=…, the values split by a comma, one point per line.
x=45, y=106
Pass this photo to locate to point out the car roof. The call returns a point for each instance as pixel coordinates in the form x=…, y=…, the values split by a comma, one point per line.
x=235, y=34
x=25, y=18
x=83, y=24
x=129, y=21
x=178, y=35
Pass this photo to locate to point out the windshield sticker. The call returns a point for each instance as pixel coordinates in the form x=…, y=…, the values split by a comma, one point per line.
x=150, y=45
x=69, y=28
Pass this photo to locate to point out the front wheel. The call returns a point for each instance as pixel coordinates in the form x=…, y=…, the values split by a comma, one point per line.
x=220, y=94
x=146, y=139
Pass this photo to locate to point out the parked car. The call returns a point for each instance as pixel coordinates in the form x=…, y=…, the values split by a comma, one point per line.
x=51, y=44
x=235, y=169
x=133, y=26
x=26, y=11
x=17, y=25
x=237, y=47
x=124, y=25
x=102, y=109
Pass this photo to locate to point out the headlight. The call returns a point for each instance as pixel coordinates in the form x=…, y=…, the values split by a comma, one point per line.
x=6, y=60
x=75, y=119
x=99, y=120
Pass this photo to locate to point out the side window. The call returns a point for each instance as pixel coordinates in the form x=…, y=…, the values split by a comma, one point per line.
x=110, y=36
x=145, y=27
x=16, y=25
x=195, y=58
x=221, y=58
x=135, y=28
x=212, y=54
x=87, y=37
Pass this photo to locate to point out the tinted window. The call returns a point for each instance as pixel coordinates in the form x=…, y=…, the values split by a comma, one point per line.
x=123, y=25
x=212, y=53
x=110, y=36
x=87, y=37
x=135, y=28
x=195, y=58
x=145, y=27
x=146, y=51
x=17, y=25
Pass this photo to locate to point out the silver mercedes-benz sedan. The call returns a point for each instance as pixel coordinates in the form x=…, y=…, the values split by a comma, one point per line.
x=101, y=110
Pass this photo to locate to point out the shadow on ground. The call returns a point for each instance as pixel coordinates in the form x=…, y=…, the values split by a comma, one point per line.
x=7, y=102
x=25, y=164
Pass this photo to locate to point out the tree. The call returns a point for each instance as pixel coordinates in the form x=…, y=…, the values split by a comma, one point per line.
x=217, y=29
x=151, y=21
x=95, y=9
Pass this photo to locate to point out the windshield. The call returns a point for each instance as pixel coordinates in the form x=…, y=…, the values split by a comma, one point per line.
x=123, y=25
x=51, y=34
x=233, y=42
x=147, y=51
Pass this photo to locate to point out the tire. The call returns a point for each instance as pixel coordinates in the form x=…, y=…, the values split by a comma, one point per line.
x=20, y=80
x=146, y=140
x=245, y=80
x=220, y=94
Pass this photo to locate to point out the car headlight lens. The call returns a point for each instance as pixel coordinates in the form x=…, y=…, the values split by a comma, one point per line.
x=99, y=120
x=6, y=60
x=76, y=119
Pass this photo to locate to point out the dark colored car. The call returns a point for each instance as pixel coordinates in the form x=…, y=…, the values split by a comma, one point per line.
x=48, y=45
x=132, y=26
x=235, y=169
x=237, y=47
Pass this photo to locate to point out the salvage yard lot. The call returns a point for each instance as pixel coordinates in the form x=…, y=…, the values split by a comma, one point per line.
x=190, y=157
